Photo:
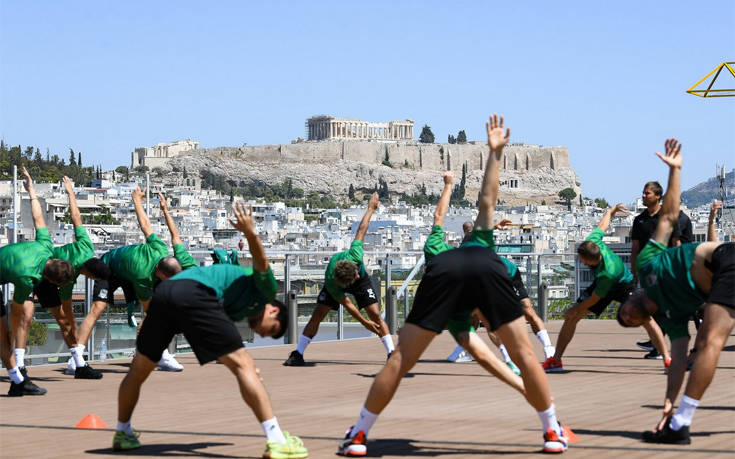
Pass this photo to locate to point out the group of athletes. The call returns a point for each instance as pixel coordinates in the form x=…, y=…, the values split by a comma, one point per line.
x=461, y=288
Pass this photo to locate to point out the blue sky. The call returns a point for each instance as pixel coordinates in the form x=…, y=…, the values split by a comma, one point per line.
x=605, y=79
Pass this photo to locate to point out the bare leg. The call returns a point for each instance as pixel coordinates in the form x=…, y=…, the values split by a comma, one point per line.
x=481, y=353
x=21, y=317
x=566, y=333
x=6, y=352
x=536, y=323
x=85, y=330
x=68, y=310
x=66, y=331
x=374, y=313
x=251, y=387
x=412, y=342
x=320, y=312
x=129, y=391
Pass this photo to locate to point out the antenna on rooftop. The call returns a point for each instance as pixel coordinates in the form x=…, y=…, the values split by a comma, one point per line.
x=721, y=175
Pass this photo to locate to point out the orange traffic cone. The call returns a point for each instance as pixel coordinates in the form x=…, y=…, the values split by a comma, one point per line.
x=91, y=421
x=571, y=436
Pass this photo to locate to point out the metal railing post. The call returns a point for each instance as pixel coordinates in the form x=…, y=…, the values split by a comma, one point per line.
x=388, y=276
x=16, y=204
x=340, y=323
x=528, y=273
x=538, y=278
x=286, y=277
x=543, y=302
x=292, y=335
x=391, y=310
x=88, y=307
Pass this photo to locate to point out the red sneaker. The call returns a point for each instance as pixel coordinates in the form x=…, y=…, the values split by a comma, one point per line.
x=354, y=446
x=552, y=365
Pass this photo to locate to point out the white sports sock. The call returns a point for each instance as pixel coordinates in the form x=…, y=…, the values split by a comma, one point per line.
x=15, y=375
x=78, y=354
x=684, y=413
x=548, y=419
x=303, y=342
x=125, y=427
x=364, y=422
x=387, y=343
x=273, y=430
x=504, y=353
x=543, y=336
x=20, y=355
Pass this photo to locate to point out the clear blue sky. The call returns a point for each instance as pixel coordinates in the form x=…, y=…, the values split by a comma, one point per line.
x=605, y=79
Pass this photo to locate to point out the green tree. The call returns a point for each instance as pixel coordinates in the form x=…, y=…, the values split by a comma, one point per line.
x=79, y=159
x=383, y=192
x=461, y=137
x=37, y=159
x=386, y=160
x=72, y=158
x=184, y=173
x=351, y=192
x=601, y=203
x=426, y=135
x=451, y=139
x=567, y=194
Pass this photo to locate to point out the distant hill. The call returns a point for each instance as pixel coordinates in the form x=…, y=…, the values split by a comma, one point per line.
x=705, y=192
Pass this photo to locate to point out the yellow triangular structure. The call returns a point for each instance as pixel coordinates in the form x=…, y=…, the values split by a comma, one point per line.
x=708, y=91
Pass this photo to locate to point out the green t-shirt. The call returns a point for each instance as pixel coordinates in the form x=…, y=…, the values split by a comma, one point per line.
x=435, y=243
x=242, y=290
x=480, y=238
x=184, y=257
x=22, y=263
x=665, y=275
x=222, y=257
x=355, y=256
x=77, y=253
x=611, y=270
x=136, y=263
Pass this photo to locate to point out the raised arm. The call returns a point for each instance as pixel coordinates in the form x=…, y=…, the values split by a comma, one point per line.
x=617, y=211
x=36, y=212
x=496, y=140
x=76, y=217
x=443, y=204
x=672, y=198
x=365, y=222
x=244, y=223
x=175, y=239
x=143, y=221
x=714, y=208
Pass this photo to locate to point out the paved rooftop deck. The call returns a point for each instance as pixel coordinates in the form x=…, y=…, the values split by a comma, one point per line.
x=608, y=394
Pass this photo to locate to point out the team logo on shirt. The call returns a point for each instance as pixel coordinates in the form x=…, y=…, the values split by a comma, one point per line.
x=322, y=297
x=371, y=294
x=103, y=294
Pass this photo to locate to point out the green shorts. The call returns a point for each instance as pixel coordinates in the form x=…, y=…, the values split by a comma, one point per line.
x=460, y=323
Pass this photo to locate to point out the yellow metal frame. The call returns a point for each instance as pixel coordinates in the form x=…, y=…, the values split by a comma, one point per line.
x=709, y=92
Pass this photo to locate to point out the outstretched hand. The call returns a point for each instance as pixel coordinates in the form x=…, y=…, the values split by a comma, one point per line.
x=448, y=178
x=138, y=194
x=619, y=210
x=503, y=224
x=68, y=186
x=714, y=208
x=673, y=153
x=496, y=137
x=28, y=183
x=162, y=202
x=374, y=201
x=244, y=220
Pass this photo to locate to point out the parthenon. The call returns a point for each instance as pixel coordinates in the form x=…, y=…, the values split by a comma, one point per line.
x=325, y=127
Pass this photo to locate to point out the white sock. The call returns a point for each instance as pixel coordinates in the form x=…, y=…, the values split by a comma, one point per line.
x=20, y=355
x=504, y=353
x=364, y=422
x=15, y=375
x=78, y=354
x=303, y=342
x=125, y=427
x=165, y=355
x=684, y=413
x=543, y=336
x=548, y=419
x=387, y=343
x=273, y=430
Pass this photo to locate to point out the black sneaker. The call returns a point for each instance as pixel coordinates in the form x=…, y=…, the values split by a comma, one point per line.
x=295, y=359
x=25, y=387
x=389, y=354
x=666, y=435
x=653, y=355
x=87, y=372
x=24, y=372
x=646, y=345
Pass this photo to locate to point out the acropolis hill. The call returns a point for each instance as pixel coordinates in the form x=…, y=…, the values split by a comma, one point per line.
x=340, y=152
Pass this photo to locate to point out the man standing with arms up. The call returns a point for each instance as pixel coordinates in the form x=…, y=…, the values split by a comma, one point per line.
x=346, y=274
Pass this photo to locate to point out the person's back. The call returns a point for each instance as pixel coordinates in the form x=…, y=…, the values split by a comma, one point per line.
x=22, y=263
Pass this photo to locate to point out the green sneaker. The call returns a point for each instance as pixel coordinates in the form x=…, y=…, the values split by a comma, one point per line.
x=292, y=449
x=513, y=368
x=123, y=441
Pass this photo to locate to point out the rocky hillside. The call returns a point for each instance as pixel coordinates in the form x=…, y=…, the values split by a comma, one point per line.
x=707, y=191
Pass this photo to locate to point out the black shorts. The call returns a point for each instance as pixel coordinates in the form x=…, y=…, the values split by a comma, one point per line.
x=188, y=307
x=104, y=290
x=461, y=280
x=47, y=294
x=362, y=289
x=723, y=276
x=519, y=286
x=619, y=292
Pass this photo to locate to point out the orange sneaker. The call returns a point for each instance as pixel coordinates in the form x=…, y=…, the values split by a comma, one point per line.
x=554, y=443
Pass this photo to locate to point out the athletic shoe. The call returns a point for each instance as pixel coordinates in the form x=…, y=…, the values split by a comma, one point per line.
x=71, y=367
x=513, y=367
x=293, y=448
x=667, y=435
x=295, y=359
x=389, y=354
x=654, y=355
x=25, y=387
x=645, y=345
x=455, y=354
x=464, y=356
x=169, y=363
x=667, y=365
x=131, y=315
x=123, y=441
x=354, y=446
x=549, y=351
x=553, y=365
x=87, y=372
x=24, y=372
x=554, y=443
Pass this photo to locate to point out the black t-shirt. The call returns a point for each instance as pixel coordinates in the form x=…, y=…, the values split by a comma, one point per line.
x=644, y=225
x=684, y=225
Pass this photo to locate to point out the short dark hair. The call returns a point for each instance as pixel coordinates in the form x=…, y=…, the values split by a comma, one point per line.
x=97, y=268
x=344, y=273
x=636, y=299
x=589, y=250
x=467, y=227
x=169, y=266
x=282, y=318
x=655, y=187
x=59, y=272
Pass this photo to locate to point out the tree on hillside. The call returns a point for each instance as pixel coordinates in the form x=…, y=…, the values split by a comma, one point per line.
x=426, y=135
x=386, y=160
x=567, y=194
x=601, y=203
x=72, y=158
x=461, y=137
x=351, y=192
x=451, y=139
x=79, y=159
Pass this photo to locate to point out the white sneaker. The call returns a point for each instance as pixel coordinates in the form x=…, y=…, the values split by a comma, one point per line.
x=455, y=355
x=71, y=367
x=169, y=363
x=464, y=356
